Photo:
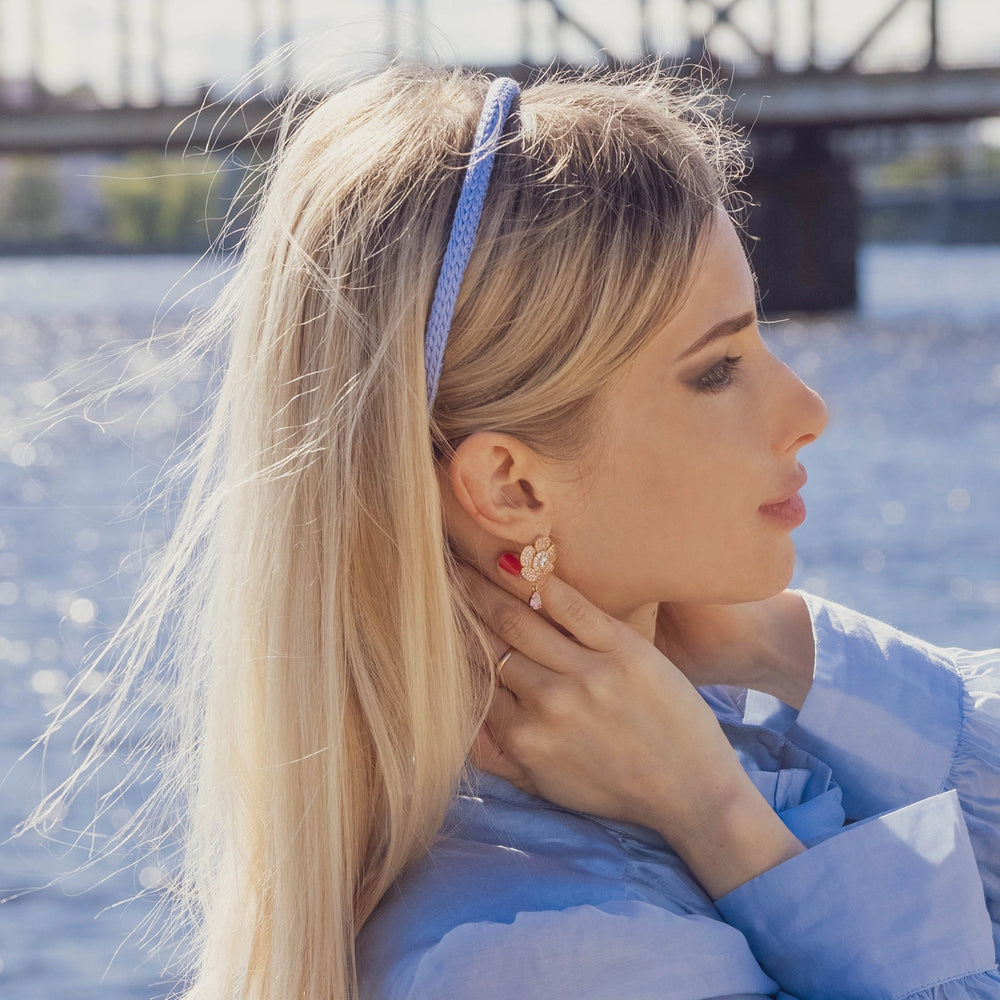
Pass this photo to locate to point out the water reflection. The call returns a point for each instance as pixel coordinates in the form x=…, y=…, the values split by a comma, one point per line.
x=903, y=483
x=902, y=491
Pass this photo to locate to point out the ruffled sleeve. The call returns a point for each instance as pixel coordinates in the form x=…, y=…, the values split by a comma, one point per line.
x=900, y=721
x=887, y=907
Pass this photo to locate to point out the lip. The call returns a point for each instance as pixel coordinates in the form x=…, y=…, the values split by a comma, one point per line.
x=793, y=484
x=788, y=508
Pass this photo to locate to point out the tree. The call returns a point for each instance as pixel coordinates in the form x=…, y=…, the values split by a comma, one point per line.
x=32, y=203
x=161, y=202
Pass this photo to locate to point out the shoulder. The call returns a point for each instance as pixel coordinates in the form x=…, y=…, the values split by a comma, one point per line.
x=587, y=952
x=524, y=903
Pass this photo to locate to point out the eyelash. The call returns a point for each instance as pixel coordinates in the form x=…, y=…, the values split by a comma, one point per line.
x=720, y=376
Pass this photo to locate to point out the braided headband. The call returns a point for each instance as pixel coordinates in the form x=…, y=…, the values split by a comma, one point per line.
x=502, y=92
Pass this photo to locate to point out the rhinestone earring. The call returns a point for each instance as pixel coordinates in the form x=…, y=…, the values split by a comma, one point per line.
x=537, y=562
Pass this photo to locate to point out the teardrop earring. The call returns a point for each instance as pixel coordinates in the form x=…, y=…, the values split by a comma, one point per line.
x=537, y=562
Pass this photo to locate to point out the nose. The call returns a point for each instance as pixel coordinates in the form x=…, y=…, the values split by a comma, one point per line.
x=804, y=413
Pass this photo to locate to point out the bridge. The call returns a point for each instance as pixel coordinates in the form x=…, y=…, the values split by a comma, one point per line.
x=894, y=64
x=799, y=74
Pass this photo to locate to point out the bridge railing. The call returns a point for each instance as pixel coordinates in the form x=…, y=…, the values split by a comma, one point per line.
x=114, y=53
x=804, y=73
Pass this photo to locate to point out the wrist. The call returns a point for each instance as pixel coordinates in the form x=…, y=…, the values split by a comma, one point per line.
x=734, y=837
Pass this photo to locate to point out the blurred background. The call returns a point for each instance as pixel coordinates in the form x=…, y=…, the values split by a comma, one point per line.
x=874, y=128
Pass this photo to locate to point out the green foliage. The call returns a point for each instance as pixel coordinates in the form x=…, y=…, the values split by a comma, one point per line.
x=928, y=167
x=142, y=201
x=162, y=202
x=30, y=205
x=992, y=158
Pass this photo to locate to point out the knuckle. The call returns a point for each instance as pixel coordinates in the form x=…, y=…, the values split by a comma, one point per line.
x=598, y=691
x=623, y=647
x=594, y=683
x=575, y=613
x=556, y=703
x=510, y=623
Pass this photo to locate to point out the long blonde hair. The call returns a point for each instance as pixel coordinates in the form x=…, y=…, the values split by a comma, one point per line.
x=326, y=670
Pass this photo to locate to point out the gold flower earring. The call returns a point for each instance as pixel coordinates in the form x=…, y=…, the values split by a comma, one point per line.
x=537, y=562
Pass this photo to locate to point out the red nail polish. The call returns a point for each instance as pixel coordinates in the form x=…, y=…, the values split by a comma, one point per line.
x=509, y=563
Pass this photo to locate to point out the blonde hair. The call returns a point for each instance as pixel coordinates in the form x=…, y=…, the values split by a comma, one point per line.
x=327, y=672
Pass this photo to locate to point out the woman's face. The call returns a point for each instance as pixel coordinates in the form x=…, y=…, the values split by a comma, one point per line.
x=692, y=491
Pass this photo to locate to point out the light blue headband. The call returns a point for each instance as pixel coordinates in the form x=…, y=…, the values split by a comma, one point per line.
x=502, y=92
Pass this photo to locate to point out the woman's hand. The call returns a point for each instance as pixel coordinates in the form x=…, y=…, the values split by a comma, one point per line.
x=600, y=721
x=764, y=645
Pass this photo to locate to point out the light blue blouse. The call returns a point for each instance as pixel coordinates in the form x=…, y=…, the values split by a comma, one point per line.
x=522, y=900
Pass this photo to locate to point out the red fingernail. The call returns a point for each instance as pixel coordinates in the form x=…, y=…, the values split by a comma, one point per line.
x=510, y=563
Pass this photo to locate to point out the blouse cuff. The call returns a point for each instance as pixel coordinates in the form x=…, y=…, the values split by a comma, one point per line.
x=884, y=708
x=886, y=908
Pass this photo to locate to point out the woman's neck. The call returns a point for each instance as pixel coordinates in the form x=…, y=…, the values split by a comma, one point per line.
x=643, y=620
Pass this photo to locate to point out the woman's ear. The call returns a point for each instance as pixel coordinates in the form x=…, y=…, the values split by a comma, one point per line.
x=502, y=486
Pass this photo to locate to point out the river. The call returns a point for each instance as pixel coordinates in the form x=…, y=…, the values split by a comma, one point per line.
x=903, y=499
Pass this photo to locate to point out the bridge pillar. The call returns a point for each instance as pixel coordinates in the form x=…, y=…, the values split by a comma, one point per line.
x=806, y=220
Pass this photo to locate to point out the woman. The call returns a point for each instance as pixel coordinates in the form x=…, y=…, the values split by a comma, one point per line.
x=590, y=393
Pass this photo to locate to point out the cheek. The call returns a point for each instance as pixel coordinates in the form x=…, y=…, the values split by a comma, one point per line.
x=672, y=471
x=709, y=469
x=687, y=508
x=675, y=513
x=677, y=530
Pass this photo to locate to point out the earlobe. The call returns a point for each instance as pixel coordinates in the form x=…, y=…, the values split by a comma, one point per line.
x=498, y=482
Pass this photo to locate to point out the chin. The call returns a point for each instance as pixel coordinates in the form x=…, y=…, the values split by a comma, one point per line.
x=782, y=575
x=772, y=575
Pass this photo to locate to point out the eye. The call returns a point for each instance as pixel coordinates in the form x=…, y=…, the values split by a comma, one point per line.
x=720, y=376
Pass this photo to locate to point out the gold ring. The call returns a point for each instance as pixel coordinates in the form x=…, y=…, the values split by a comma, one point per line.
x=502, y=662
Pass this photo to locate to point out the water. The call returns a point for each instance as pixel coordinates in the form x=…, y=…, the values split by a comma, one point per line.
x=905, y=484
x=903, y=493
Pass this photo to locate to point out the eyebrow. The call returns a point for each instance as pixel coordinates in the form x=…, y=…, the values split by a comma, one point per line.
x=724, y=329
